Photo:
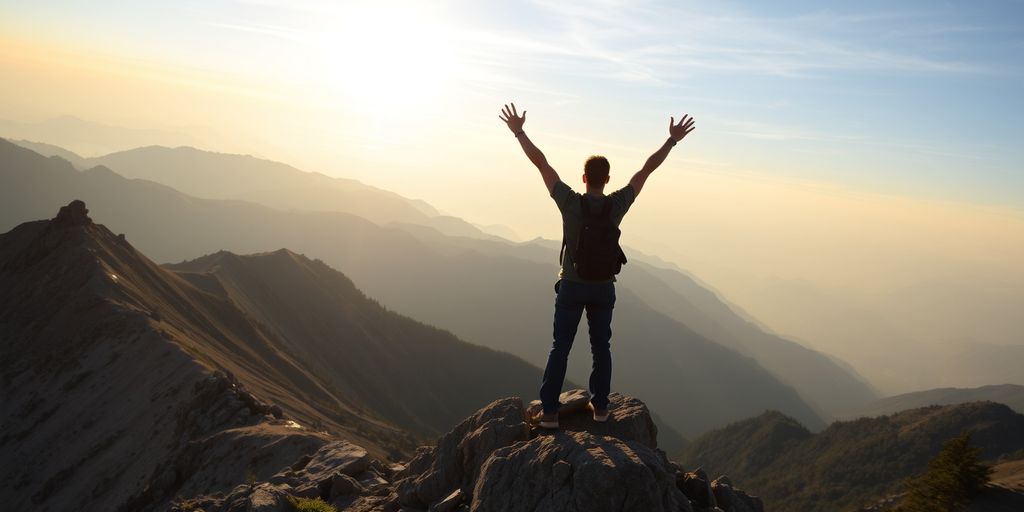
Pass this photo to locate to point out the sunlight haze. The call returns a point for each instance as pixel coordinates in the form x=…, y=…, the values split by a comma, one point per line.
x=855, y=181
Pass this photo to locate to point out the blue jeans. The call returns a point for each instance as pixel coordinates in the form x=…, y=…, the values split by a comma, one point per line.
x=573, y=297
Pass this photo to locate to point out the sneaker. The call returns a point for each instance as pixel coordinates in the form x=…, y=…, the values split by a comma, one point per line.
x=546, y=420
x=600, y=415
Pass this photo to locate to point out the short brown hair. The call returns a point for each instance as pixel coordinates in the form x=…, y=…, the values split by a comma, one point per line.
x=596, y=169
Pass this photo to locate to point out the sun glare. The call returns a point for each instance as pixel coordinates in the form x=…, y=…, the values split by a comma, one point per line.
x=387, y=62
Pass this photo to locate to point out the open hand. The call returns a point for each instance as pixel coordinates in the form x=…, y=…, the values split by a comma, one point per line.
x=512, y=119
x=678, y=131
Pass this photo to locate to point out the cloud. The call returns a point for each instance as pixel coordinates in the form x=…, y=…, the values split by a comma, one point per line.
x=672, y=40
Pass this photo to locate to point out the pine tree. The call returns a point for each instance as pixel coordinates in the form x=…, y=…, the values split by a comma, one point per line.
x=954, y=476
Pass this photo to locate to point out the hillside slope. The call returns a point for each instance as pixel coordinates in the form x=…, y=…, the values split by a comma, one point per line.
x=850, y=464
x=417, y=376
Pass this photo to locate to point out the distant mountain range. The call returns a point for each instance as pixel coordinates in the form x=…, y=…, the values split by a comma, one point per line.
x=212, y=175
x=488, y=291
x=1009, y=394
x=852, y=463
x=86, y=137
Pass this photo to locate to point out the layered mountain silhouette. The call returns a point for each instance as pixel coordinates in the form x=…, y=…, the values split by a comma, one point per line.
x=851, y=464
x=109, y=364
x=1010, y=394
x=91, y=138
x=492, y=293
x=212, y=175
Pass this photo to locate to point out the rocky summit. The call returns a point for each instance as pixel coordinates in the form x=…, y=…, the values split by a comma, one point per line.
x=495, y=460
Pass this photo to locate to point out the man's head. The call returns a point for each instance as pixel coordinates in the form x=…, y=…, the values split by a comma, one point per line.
x=595, y=172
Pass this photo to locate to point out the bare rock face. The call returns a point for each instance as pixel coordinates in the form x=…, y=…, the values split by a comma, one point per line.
x=74, y=214
x=494, y=461
x=316, y=477
x=571, y=402
x=734, y=500
x=328, y=473
x=434, y=473
x=697, y=486
x=576, y=471
x=629, y=419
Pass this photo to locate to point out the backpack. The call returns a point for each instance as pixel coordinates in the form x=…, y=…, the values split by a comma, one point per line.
x=597, y=255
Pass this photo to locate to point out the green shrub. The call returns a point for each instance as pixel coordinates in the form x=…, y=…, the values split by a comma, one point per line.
x=954, y=476
x=310, y=505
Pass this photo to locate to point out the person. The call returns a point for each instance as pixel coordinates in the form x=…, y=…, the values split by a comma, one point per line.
x=575, y=295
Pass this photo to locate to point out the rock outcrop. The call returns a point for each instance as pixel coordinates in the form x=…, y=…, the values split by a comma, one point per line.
x=74, y=214
x=577, y=471
x=494, y=461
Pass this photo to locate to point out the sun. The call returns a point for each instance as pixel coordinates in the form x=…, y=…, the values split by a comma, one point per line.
x=388, y=61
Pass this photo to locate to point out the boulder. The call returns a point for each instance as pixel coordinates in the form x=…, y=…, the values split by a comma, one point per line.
x=365, y=504
x=629, y=420
x=696, y=486
x=572, y=402
x=315, y=477
x=344, y=485
x=74, y=214
x=371, y=480
x=577, y=471
x=449, y=504
x=734, y=500
x=268, y=498
x=337, y=457
x=459, y=455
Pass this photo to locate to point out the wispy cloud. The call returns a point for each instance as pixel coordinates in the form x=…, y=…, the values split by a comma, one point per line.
x=662, y=44
x=781, y=132
x=659, y=43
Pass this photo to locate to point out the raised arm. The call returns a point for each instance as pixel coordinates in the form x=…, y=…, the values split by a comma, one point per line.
x=676, y=132
x=515, y=123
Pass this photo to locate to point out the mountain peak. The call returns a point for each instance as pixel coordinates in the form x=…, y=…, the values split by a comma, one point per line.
x=74, y=214
x=495, y=460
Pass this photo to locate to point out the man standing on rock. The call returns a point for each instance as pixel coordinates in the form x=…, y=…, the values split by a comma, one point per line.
x=590, y=259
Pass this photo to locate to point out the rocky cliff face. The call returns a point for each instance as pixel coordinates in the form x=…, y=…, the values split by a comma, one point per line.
x=496, y=461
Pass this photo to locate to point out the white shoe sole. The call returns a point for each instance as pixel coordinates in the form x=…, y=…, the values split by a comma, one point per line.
x=549, y=424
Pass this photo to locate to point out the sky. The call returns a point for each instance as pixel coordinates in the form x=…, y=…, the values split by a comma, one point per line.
x=858, y=148
x=917, y=98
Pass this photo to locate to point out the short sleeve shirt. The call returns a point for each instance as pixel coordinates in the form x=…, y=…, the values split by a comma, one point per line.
x=568, y=202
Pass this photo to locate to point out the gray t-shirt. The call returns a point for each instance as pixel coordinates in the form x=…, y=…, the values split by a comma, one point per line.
x=568, y=202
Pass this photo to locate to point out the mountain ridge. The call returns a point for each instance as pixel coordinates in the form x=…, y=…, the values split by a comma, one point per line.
x=1010, y=394
x=853, y=463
